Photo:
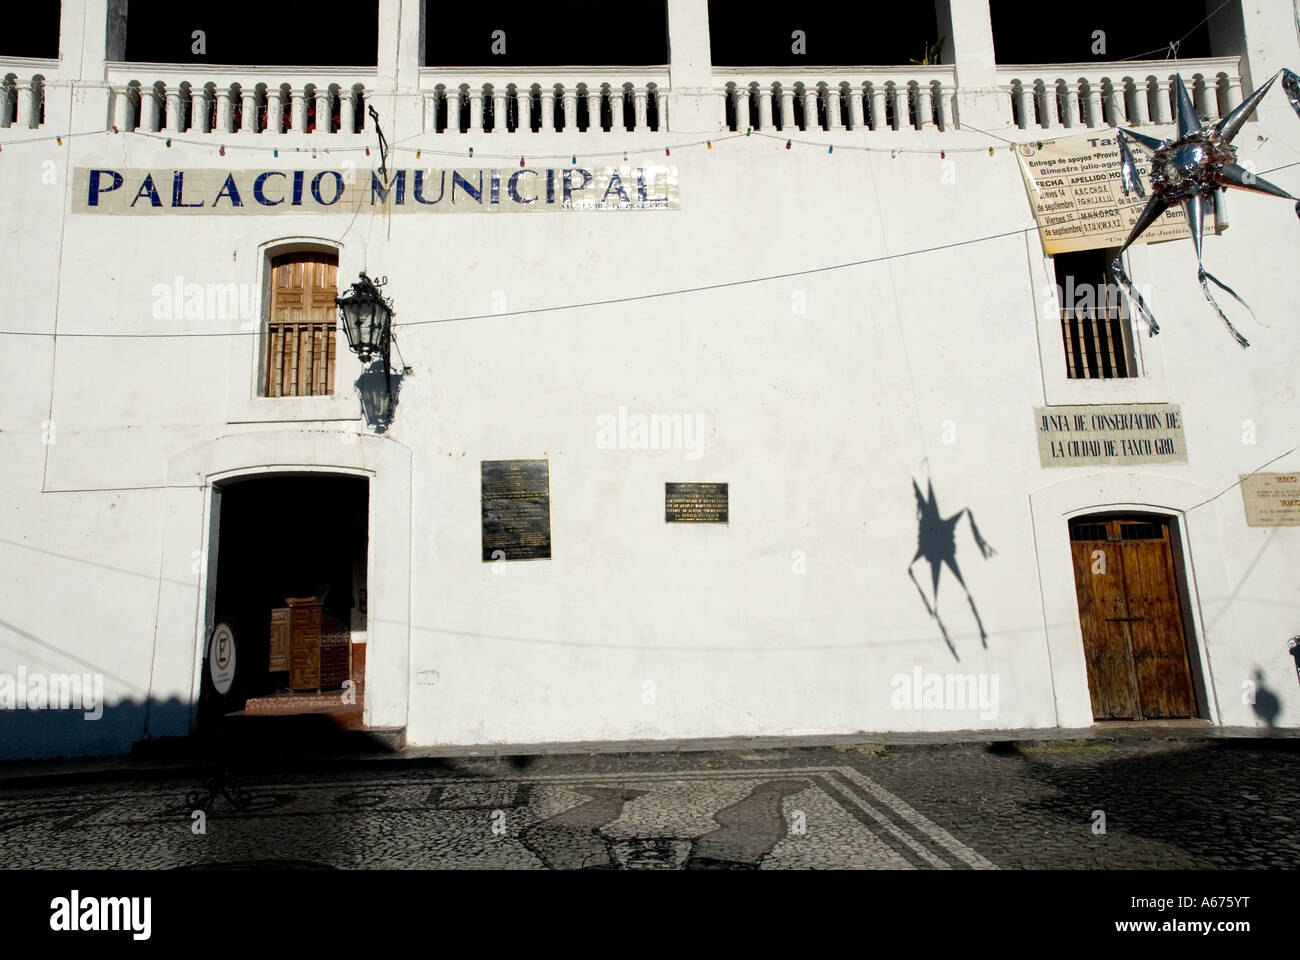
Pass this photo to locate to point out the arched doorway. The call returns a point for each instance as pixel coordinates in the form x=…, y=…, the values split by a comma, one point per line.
x=1130, y=594
x=291, y=578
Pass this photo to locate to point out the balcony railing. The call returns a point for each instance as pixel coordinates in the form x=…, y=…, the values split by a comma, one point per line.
x=226, y=100
x=223, y=100
x=531, y=101
x=837, y=98
x=22, y=91
x=1133, y=93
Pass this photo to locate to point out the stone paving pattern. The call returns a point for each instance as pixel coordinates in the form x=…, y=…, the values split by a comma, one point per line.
x=1167, y=803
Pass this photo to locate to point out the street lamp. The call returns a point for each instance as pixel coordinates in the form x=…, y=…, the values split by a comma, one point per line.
x=367, y=317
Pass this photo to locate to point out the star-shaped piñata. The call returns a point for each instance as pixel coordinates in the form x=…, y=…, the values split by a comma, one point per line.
x=1188, y=170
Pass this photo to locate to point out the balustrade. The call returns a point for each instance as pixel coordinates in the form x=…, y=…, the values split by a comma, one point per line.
x=1132, y=93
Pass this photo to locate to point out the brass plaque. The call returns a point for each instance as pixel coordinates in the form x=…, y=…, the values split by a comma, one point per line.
x=1271, y=499
x=516, y=498
x=695, y=503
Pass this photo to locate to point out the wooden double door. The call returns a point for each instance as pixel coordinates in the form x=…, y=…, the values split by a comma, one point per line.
x=1132, y=620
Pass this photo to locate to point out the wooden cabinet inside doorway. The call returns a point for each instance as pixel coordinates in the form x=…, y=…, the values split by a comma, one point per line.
x=1131, y=616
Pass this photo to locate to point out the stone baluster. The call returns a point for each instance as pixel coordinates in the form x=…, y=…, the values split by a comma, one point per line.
x=810, y=110
x=6, y=99
x=857, y=108
x=1162, y=113
x=121, y=108
x=1049, y=104
x=834, y=113
x=27, y=111
x=1233, y=93
x=248, y=115
x=1024, y=107
x=548, y=110
x=1092, y=106
x=148, y=107
x=298, y=111
x=1070, y=105
x=222, y=110
x=348, y=110
x=498, y=110
x=274, y=111
x=941, y=94
x=570, y=111
x=476, y=110
x=740, y=104
x=924, y=107
x=1115, y=107
x=523, y=106
x=878, y=107
x=324, y=118
x=198, y=110
x=1141, y=103
x=787, y=109
x=453, y=101
x=1201, y=98
x=171, y=118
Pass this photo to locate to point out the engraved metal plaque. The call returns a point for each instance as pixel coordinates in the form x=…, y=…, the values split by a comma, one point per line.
x=516, y=510
x=695, y=503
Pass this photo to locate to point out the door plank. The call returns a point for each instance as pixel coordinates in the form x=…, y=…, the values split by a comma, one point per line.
x=1100, y=595
x=1164, y=676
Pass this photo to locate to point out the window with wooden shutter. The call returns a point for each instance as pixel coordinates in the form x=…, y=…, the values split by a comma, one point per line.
x=300, y=334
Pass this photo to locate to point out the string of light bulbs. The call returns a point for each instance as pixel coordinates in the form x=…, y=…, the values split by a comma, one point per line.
x=437, y=150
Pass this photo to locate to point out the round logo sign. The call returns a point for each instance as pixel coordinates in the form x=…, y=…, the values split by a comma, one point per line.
x=221, y=658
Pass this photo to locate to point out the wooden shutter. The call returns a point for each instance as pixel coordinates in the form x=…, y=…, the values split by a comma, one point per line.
x=301, y=333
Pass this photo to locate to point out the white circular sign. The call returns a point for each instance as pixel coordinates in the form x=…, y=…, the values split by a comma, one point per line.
x=221, y=658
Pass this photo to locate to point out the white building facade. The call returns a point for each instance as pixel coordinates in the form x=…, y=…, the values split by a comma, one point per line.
x=846, y=316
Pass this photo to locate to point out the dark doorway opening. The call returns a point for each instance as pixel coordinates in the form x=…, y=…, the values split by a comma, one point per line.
x=1133, y=612
x=291, y=561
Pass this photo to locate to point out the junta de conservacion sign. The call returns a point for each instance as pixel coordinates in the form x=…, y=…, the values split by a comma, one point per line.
x=1114, y=434
x=163, y=192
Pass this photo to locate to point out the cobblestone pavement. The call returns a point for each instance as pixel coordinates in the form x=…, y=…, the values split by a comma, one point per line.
x=1166, y=804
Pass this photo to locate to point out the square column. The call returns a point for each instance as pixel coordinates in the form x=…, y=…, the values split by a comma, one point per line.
x=694, y=105
x=401, y=46
x=969, y=30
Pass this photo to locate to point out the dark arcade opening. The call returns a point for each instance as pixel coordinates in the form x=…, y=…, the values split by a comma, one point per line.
x=288, y=536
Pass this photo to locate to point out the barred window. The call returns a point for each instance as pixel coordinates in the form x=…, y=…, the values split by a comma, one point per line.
x=1096, y=329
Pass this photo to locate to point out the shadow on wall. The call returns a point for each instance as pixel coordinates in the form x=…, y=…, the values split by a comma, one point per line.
x=77, y=732
x=1265, y=702
x=937, y=545
x=373, y=389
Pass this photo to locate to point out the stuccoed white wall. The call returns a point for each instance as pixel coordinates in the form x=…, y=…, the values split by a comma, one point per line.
x=819, y=421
